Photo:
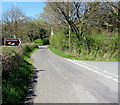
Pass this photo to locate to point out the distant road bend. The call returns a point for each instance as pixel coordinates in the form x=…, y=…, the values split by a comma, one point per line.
x=63, y=80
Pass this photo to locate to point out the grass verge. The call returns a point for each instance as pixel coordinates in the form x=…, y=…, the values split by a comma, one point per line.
x=70, y=56
x=62, y=54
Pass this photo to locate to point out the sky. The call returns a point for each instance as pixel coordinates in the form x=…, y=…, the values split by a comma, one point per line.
x=32, y=9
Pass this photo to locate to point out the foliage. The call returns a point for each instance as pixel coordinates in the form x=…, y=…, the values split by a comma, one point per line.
x=17, y=72
x=15, y=85
x=90, y=28
x=60, y=53
x=16, y=23
x=46, y=41
x=79, y=17
x=59, y=40
x=101, y=46
x=39, y=42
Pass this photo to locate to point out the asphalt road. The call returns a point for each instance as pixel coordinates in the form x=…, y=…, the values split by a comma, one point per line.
x=62, y=80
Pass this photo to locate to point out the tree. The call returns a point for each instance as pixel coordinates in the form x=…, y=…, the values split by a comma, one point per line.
x=82, y=18
x=11, y=19
x=64, y=14
x=14, y=22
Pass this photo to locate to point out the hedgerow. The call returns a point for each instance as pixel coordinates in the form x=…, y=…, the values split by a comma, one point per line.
x=16, y=72
x=102, y=46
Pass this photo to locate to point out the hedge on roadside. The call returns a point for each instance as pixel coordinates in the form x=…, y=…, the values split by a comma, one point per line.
x=16, y=72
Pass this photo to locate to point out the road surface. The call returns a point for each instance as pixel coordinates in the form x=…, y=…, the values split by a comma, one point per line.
x=62, y=80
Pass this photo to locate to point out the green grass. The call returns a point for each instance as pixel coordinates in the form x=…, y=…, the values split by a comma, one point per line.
x=57, y=52
x=84, y=57
x=62, y=54
x=27, y=58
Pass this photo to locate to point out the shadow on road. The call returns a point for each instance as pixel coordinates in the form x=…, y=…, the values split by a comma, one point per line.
x=31, y=88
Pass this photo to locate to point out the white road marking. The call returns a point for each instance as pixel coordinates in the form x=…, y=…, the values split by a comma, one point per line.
x=106, y=76
x=116, y=80
x=99, y=69
x=110, y=73
x=89, y=65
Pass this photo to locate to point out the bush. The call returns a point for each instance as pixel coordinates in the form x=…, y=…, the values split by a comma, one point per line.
x=59, y=40
x=96, y=46
x=12, y=54
x=15, y=83
x=16, y=73
x=46, y=41
x=38, y=42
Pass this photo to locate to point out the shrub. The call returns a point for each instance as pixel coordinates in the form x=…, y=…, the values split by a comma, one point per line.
x=39, y=42
x=16, y=73
x=59, y=40
x=46, y=41
x=97, y=46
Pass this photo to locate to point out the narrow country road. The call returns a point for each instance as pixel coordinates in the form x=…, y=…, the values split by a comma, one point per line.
x=62, y=80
